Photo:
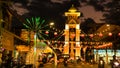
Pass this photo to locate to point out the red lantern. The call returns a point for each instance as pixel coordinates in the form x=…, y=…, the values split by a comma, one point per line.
x=100, y=34
x=118, y=34
x=110, y=34
x=46, y=32
x=73, y=35
x=82, y=35
x=55, y=33
x=91, y=35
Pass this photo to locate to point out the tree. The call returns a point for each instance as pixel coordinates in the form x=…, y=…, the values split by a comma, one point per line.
x=112, y=12
x=88, y=26
x=35, y=25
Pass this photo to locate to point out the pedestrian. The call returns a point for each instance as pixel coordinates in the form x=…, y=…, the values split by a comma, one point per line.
x=9, y=61
x=78, y=60
x=101, y=63
x=44, y=60
x=65, y=62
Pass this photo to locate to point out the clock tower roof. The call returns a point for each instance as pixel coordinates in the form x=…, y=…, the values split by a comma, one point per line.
x=72, y=9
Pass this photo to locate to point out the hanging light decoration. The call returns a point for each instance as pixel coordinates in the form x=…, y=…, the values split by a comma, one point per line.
x=100, y=35
x=73, y=35
x=82, y=35
x=46, y=32
x=55, y=33
x=91, y=35
x=110, y=34
x=118, y=34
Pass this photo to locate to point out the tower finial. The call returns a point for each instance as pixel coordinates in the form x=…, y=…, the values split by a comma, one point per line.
x=72, y=9
x=72, y=5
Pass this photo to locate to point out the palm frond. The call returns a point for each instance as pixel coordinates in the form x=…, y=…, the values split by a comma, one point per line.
x=26, y=26
x=37, y=20
x=33, y=23
x=41, y=24
x=37, y=25
x=29, y=23
x=40, y=36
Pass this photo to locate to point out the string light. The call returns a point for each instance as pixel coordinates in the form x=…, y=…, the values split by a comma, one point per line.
x=46, y=32
x=91, y=35
x=100, y=35
x=82, y=35
x=118, y=34
x=110, y=34
x=55, y=33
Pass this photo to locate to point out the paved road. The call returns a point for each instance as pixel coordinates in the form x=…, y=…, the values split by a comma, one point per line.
x=73, y=65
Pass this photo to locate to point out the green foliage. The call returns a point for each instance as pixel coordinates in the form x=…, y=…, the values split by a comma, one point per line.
x=112, y=15
x=36, y=25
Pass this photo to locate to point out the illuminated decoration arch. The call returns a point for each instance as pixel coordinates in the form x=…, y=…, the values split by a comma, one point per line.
x=72, y=34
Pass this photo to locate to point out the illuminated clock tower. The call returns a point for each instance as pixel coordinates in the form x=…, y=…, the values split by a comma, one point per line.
x=72, y=34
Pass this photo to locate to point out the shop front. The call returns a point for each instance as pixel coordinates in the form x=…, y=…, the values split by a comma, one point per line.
x=107, y=54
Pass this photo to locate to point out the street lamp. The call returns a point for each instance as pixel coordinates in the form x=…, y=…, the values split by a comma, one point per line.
x=37, y=27
x=108, y=25
x=51, y=24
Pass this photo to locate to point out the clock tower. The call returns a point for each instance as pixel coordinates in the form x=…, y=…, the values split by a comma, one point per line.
x=72, y=33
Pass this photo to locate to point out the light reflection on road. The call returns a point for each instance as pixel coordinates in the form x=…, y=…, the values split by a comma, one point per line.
x=74, y=65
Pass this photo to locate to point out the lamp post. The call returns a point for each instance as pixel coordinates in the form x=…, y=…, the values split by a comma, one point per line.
x=35, y=44
x=52, y=24
x=35, y=25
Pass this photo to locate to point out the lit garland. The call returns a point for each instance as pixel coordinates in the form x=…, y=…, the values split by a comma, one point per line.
x=103, y=33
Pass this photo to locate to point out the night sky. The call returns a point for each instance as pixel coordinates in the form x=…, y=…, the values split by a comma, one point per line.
x=53, y=10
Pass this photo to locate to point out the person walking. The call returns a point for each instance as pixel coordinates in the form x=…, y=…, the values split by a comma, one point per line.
x=65, y=62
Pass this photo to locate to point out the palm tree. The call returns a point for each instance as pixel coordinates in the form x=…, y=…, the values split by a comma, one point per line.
x=35, y=25
x=38, y=26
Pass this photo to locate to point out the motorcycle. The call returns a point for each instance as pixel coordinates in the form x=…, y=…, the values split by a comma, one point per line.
x=116, y=64
x=101, y=64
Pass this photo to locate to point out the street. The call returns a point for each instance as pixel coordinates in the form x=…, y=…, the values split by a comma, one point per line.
x=73, y=65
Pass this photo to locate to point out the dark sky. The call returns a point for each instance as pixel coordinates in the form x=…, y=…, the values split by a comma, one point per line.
x=50, y=11
x=53, y=10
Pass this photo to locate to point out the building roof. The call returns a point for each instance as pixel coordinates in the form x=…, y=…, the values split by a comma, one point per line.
x=72, y=9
